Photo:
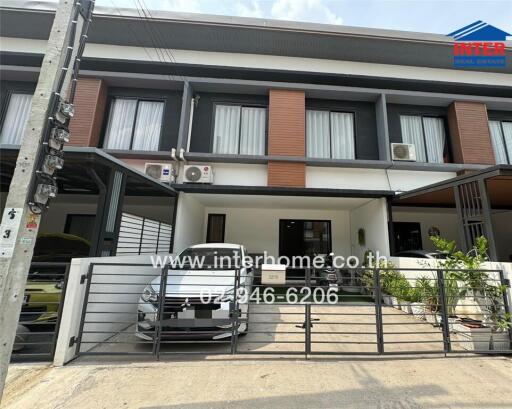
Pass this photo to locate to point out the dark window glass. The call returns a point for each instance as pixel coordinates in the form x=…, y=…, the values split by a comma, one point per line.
x=407, y=236
x=81, y=225
x=215, y=229
x=304, y=237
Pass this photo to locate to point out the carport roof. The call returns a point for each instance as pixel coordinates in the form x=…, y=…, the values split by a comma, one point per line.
x=75, y=177
x=281, y=191
x=497, y=178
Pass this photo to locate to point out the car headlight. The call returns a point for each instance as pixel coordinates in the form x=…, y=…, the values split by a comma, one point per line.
x=149, y=294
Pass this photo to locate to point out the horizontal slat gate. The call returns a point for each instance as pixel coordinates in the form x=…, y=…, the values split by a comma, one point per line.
x=365, y=315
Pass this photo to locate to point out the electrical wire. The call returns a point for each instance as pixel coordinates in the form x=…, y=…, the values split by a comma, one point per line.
x=155, y=35
x=132, y=31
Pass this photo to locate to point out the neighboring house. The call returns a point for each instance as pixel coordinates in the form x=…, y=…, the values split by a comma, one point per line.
x=296, y=121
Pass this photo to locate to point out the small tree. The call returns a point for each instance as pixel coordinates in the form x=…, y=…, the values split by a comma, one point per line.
x=487, y=295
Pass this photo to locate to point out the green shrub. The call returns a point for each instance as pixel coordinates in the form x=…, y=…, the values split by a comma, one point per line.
x=428, y=292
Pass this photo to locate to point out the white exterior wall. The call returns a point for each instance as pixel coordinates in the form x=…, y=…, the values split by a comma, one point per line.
x=236, y=174
x=189, y=222
x=405, y=180
x=444, y=219
x=371, y=179
x=346, y=178
x=258, y=229
x=373, y=218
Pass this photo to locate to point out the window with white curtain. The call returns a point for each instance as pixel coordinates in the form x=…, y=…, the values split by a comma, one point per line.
x=427, y=134
x=239, y=130
x=134, y=124
x=330, y=134
x=501, y=137
x=16, y=117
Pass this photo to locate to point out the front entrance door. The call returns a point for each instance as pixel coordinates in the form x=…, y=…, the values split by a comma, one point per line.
x=216, y=228
x=304, y=237
x=407, y=236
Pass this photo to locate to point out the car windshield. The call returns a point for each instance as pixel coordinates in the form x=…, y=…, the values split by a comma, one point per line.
x=200, y=258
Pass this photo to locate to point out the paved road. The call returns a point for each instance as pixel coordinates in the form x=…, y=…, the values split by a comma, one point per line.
x=437, y=383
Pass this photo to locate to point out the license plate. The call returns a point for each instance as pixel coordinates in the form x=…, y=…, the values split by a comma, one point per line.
x=333, y=285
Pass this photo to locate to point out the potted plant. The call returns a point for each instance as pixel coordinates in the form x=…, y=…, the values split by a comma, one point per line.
x=387, y=282
x=429, y=294
x=403, y=294
x=417, y=306
x=367, y=276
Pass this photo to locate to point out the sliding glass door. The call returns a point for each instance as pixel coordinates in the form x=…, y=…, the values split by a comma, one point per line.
x=304, y=237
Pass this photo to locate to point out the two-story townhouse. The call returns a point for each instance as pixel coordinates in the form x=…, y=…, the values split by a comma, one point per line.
x=295, y=121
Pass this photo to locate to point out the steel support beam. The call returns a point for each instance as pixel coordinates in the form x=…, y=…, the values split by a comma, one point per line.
x=111, y=215
x=487, y=219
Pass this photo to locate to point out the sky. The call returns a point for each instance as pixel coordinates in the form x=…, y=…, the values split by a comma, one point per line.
x=429, y=16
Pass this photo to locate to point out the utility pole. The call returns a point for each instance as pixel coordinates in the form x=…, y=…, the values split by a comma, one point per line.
x=33, y=183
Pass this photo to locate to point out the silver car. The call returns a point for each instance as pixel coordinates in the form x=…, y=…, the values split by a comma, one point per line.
x=199, y=297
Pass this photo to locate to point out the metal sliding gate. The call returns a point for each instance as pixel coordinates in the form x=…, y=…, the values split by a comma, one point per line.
x=136, y=310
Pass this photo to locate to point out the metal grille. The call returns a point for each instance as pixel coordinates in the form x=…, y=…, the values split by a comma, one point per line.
x=140, y=235
x=370, y=312
x=471, y=202
x=38, y=326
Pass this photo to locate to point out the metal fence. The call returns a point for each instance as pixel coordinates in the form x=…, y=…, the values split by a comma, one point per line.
x=140, y=235
x=39, y=321
x=227, y=311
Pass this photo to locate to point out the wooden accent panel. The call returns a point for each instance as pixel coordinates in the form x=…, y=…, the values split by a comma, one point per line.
x=90, y=105
x=286, y=137
x=286, y=174
x=469, y=130
x=286, y=123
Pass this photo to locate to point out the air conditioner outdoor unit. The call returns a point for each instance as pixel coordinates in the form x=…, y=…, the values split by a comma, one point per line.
x=159, y=171
x=403, y=151
x=198, y=174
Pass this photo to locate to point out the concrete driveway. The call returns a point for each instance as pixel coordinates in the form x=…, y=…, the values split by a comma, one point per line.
x=458, y=382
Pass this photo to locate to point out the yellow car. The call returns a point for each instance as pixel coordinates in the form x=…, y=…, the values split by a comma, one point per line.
x=41, y=302
x=43, y=291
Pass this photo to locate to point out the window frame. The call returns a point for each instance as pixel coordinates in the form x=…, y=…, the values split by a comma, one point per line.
x=507, y=153
x=241, y=105
x=110, y=102
x=446, y=150
x=336, y=111
x=5, y=104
